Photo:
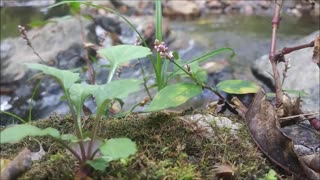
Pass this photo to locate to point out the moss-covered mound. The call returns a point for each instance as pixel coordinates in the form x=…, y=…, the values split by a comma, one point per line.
x=168, y=148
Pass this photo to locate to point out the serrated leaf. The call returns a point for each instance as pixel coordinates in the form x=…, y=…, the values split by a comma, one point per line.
x=16, y=133
x=65, y=77
x=115, y=89
x=118, y=55
x=174, y=95
x=118, y=148
x=237, y=87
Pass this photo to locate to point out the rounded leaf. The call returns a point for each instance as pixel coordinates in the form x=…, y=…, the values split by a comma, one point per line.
x=118, y=148
x=174, y=95
x=237, y=87
x=16, y=133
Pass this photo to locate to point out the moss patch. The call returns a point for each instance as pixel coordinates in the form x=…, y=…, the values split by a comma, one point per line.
x=168, y=148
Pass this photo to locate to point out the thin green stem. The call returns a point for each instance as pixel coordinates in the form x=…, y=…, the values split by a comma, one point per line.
x=31, y=100
x=94, y=133
x=203, y=85
x=144, y=79
x=158, y=67
x=81, y=160
x=77, y=125
x=15, y=116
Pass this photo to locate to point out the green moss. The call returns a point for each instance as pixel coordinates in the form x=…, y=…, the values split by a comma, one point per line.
x=168, y=148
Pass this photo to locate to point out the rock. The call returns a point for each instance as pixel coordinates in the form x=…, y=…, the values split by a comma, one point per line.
x=207, y=122
x=25, y=3
x=303, y=74
x=213, y=4
x=48, y=41
x=181, y=8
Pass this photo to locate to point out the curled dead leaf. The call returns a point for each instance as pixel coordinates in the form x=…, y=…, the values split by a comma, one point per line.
x=262, y=121
x=316, y=51
x=20, y=164
x=312, y=161
x=224, y=171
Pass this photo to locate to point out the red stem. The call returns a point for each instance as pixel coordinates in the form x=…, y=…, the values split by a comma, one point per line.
x=288, y=50
x=275, y=25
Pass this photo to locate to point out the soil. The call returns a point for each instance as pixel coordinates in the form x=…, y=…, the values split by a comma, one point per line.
x=168, y=148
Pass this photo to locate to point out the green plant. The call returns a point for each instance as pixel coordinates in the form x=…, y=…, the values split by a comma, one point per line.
x=271, y=175
x=76, y=94
x=168, y=95
x=160, y=64
x=181, y=92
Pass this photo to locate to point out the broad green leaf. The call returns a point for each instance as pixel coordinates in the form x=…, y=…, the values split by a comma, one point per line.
x=65, y=77
x=201, y=75
x=69, y=137
x=118, y=148
x=115, y=89
x=99, y=163
x=16, y=133
x=118, y=55
x=174, y=95
x=237, y=87
x=80, y=92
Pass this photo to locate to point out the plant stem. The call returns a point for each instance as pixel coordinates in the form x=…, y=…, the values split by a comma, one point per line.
x=94, y=133
x=288, y=50
x=158, y=66
x=272, y=58
x=144, y=79
x=203, y=85
x=77, y=125
x=70, y=149
x=15, y=116
x=31, y=100
x=85, y=56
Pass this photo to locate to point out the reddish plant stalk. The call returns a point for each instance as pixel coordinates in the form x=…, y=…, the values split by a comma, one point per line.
x=288, y=50
x=272, y=57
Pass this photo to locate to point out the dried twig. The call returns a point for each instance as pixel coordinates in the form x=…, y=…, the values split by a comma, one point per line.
x=24, y=36
x=90, y=70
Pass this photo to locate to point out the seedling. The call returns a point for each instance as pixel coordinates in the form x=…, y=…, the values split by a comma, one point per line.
x=76, y=94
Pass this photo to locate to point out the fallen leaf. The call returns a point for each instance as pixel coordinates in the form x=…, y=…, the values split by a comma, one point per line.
x=312, y=161
x=20, y=164
x=316, y=51
x=261, y=119
x=224, y=171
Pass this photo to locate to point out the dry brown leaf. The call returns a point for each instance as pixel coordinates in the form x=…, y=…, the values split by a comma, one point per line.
x=261, y=119
x=224, y=171
x=20, y=164
x=313, y=162
x=316, y=51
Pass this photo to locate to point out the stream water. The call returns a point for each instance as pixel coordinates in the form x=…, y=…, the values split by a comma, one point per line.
x=249, y=36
